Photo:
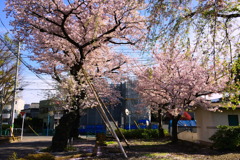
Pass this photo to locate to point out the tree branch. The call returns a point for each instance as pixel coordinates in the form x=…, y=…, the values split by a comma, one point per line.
x=236, y=15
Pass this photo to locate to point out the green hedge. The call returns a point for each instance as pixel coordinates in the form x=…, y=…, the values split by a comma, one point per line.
x=140, y=133
x=227, y=138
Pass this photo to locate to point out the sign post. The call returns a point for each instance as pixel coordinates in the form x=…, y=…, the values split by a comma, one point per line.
x=23, y=117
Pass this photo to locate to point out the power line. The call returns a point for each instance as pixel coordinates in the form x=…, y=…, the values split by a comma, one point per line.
x=4, y=25
x=23, y=62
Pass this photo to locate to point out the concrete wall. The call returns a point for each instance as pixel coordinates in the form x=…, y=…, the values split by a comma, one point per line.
x=188, y=136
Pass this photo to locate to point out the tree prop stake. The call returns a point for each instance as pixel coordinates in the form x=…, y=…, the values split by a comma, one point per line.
x=103, y=113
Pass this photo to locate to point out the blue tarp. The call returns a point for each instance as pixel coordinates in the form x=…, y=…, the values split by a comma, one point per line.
x=92, y=129
x=153, y=126
x=132, y=127
x=185, y=123
x=144, y=121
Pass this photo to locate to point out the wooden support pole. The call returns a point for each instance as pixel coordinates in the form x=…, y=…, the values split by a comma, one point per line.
x=105, y=107
x=103, y=112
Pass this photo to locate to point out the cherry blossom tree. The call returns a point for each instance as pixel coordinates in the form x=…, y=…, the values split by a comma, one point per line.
x=208, y=27
x=177, y=83
x=69, y=36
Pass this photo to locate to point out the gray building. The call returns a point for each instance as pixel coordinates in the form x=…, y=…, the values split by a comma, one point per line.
x=129, y=101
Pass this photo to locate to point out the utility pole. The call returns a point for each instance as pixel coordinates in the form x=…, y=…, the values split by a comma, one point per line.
x=14, y=92
x=1, y=108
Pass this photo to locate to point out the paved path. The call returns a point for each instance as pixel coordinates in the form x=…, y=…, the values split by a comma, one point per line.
x=29, y=144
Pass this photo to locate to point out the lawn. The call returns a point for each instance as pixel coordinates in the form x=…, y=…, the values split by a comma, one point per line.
x=165, y=150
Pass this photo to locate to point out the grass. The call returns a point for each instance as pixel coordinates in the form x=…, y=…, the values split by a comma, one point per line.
x=165, y=150
x=110, y=142
x=70, y=148
x=149, y=142
x=73, y=156
x=153, y=149
x=48, y=149
x=156, y=155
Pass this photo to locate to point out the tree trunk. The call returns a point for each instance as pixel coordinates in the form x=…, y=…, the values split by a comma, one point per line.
x=160, y=128
x=66, y=129
x=174, y=128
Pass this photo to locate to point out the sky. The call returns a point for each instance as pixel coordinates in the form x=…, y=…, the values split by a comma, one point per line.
x=34, y=88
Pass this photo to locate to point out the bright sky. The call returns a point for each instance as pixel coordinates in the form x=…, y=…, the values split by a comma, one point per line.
x=35, y=89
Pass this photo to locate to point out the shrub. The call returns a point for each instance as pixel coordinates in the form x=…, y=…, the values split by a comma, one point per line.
x=5, y=126
x=150, y=133
x=139, y=133
x=13, y=156
x=226, y=138
x=39, y=156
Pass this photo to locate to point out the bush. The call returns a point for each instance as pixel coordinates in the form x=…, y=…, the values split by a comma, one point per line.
x=139, y=133
x=39, y=156
x=5, y=126
x=150, y=133
x=226, y=138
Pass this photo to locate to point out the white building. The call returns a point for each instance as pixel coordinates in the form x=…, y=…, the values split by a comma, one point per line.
x=207, y=121
x=6, y=112
x=19, y=105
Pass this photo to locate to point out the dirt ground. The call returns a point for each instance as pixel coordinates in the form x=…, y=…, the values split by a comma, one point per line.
x=86, y=148
x=164, y=149
x=29, y=144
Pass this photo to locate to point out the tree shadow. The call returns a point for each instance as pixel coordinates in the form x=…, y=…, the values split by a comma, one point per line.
x=181, y=147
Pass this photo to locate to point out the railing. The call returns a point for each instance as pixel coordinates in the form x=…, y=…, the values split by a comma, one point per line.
x=16, y=131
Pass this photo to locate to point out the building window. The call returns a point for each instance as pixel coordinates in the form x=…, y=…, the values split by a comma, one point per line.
x=233, y=120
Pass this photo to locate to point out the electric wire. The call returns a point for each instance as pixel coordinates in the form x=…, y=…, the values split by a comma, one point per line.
x=10, y=48
x=23, y=62
x=4, y=25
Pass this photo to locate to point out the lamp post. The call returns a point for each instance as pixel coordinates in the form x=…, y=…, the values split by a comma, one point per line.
x=23, y=117
x=50, y=113
x=129, y=118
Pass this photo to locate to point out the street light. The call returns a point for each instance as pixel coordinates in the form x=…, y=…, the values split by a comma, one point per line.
x=129, y=118
x=50, y=113
x=12, y=114
x=23, y=117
